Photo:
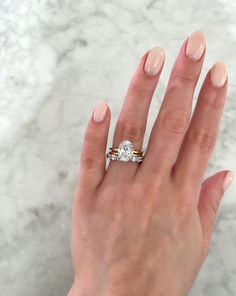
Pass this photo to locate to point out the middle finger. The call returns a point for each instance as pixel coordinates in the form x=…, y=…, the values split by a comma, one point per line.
x=174, y=115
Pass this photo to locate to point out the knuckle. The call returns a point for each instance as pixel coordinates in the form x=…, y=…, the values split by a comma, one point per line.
x=212, y=102
x=89, y=161
x=185, y=77
x=132, y=132
x=175, y=121
x=139, y=89
x=214, y=205
x=204, y=139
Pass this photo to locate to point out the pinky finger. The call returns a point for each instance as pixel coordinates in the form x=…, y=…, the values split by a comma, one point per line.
x=93, y=155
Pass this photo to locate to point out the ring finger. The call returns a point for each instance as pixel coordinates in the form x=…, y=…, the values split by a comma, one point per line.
x=132, y=119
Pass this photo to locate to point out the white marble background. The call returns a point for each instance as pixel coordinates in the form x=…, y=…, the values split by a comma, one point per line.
x=57, y=58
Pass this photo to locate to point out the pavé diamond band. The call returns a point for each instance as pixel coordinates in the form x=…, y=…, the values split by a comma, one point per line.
x=125, y=153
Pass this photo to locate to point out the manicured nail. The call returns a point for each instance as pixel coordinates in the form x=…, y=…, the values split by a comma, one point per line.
x=228, y=180
x=154, y=61
x=195, y=46
x=218, y=74
x=100, y=111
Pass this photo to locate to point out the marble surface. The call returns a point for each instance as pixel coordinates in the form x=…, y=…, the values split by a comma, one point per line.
x=57, y=58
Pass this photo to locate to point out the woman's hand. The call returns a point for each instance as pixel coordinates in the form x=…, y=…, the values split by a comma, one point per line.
x=145, y=229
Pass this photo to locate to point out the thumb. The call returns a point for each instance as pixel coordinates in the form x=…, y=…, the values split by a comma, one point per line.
x=211, y=192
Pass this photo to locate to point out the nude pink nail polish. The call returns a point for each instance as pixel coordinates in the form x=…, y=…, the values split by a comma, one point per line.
x=218, y=74
x=100, y=111
x=154, y=61
x=195, y=46
x=228, y=179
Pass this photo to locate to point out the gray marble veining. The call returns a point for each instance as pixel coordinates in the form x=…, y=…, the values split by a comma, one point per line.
x=57, y=58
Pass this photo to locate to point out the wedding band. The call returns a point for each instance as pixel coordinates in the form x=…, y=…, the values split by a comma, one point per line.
x=116, y=150
x=125, y=153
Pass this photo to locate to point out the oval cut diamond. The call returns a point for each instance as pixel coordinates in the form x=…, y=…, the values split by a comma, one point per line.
x=125, y=150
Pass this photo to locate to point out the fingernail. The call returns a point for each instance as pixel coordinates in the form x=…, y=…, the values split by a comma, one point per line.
x=228, y=180
x=218, y=74
x=100, y=111
x=154, y=61
x=195, y=46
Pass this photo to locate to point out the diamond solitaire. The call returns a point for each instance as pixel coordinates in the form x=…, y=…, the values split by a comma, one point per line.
x=125, y=153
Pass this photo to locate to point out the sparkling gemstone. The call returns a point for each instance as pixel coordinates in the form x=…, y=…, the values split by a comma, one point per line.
x=125, y=151
x=134, y=158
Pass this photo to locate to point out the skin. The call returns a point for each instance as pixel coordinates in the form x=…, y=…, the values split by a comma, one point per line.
x=145, y=229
